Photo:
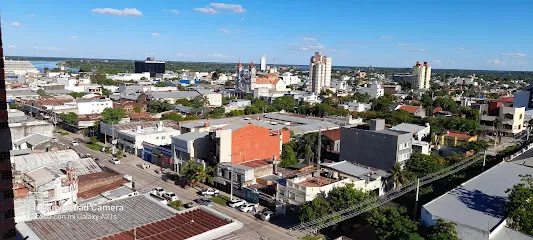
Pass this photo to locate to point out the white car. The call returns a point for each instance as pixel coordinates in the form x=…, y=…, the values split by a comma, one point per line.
x=236, y=203
x=158, y=191
x=74, y=143
x=266, y=216
x=115, y=161
x=170, y=196
x=210, y=192
x=246, y=207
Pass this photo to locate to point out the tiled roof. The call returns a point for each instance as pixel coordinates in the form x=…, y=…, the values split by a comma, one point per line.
x=53, y=101
x=182, y=226
x=458, y=135
x=410, y=109
x=334, y=134
x=506, y=100
x=255, y=163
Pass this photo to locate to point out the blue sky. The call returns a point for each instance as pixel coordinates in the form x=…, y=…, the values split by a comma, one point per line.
x=474, y=34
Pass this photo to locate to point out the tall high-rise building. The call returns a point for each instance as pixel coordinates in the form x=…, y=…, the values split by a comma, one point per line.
x=320, y=72
x=263, y=63
x=150, y=65
x=421, y=76
x=7, y=209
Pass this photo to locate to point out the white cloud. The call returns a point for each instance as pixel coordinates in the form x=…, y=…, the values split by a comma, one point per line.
x=387, y=37
x=180, y=55
x=223, y=30
x=404, y=44
x=11, y=46
x=418, y=50
x=515, y=54
x=155, y=35
x=310, y=39
x=15, y=24
x=129, y=12
x=219, y=55
x=436, y=61
x=495, y=62
x=206, y=10
x=233, y=7
x=460, y=48
x=74, y=37
x=306, y=47
x=174, y=11
x=50, y=48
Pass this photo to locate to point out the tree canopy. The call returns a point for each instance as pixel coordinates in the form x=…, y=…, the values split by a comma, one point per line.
x=113, y=115
x=158, y=106
x=519, y=206
x=69, y=118
x=286, y=103
x=288, y=157
x=77, y=94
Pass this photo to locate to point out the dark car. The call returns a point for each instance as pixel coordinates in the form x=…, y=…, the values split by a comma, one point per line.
x=204, y=201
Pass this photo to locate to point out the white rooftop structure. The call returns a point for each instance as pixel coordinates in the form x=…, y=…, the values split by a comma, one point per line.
x=55, y=160
x=477, y=207
x=20, y=67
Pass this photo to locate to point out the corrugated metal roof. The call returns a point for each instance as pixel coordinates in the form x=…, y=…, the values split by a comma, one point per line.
x=191, y=136
x=55, y=160
x=408, y=127
x=179, y=94
x=33, y=139
x=41, y=176
x=479, y=202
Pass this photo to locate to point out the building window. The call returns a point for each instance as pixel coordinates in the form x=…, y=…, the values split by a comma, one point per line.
x=404, y=146
x=403, y=157
x=163, y=137
x=9, y=214
x=520, y=117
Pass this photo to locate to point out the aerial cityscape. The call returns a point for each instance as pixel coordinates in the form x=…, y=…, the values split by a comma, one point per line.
x=266, y=120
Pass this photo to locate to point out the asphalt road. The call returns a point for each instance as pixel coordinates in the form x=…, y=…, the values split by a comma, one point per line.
x=147, y=179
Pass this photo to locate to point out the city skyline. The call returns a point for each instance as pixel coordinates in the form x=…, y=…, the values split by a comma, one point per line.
x=448, y=35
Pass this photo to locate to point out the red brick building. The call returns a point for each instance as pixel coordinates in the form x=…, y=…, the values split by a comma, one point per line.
x=237, y=143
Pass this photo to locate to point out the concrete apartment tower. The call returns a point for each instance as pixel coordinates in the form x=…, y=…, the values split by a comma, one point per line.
x=319, y=72
x=263, y=63
x=421, y=76
x=7, y=209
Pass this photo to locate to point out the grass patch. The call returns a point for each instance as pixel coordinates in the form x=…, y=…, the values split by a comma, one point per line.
x=178, y=205
x=63, y=133
x=313, y=237
x=220, y=199
x=95, y=147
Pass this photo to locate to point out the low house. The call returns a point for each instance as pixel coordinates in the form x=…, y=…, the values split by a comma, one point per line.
x=416, y=111
x=364, y=178
x=418, y=131
x=454, y=139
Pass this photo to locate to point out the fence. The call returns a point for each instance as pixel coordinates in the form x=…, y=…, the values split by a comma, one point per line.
x=520, y=152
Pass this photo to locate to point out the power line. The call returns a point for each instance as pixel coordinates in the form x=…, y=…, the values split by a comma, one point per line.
x=339, y=216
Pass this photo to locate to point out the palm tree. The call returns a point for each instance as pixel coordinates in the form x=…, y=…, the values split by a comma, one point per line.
x=398, y=176
x=197, y=173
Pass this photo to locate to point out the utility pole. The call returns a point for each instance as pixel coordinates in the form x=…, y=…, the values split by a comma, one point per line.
x=231, y=184
x=318, y=155
x=416, y=197
x=484, y=160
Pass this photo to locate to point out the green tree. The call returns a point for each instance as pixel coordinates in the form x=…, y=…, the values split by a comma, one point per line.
x=196, y=173
x=421, y=165
x=470, y=113
x=184, y=102
x=312, y=210
x=158, y=106
x=137, y=109
x=162, y=84
x=447, y=104
x=93, y=140
x=199, y=101
x=288, y=157
x=235, y=113
x=105, y=91
x=260, y=104
x=177, y=205
x=119, y=154
x=41, y=92
x=113, y=115
x=346, y=196
x=477, y=146
x=382, y=103
x=393, y=223
x=251, y=110
x=77, y=94
x=519, y=206
x=172, y=116
x=398, y=175
x=442, y=231
x=69, y=118
x=217, y=113
x=286, y=103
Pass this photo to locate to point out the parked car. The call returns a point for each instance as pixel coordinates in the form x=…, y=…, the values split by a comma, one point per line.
x=158, y=191
x=128, y=177
x=236, y=203
x=188, y=205
x=246, y=207
x=209, y=192
x=170, y=196
x=267, y=215
x=74, y=143
x=204, y=201
x=114, y=161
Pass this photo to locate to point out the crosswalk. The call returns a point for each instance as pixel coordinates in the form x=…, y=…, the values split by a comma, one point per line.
x=230, y=236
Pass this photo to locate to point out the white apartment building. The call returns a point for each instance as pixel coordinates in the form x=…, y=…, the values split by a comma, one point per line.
x=355, y=106
x=93, y=106
x=290, y=79
x=263, y=63
x=510, y=118
x=421, y=76
x=320, y=72
x=375, y=90
x=214, y=99
x=132, y=135
x=129, y=76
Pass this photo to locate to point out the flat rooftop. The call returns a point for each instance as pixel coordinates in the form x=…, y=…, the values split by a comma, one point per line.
x=316, y=182
x=479, y=202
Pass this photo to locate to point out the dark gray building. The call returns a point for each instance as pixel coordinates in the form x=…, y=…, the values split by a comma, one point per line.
x=149, y=65
x=375, y=146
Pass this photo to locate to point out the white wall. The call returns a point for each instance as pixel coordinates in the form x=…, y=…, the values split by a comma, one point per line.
x=214, y=99
x=94, y=107
x=225, y=145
